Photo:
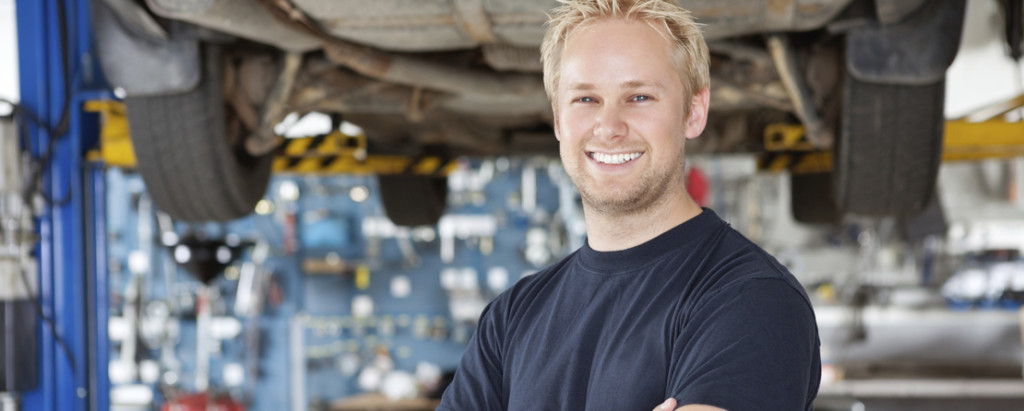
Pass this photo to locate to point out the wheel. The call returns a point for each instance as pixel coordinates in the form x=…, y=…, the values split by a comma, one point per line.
x=813, y=200
x=890, y=147
x=413, y=200
x=192, y=169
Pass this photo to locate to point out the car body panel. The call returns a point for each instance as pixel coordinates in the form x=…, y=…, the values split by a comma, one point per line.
x=443, y=25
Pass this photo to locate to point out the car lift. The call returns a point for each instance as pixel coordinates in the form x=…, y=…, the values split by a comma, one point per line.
x=983, y=134
x=58, y=74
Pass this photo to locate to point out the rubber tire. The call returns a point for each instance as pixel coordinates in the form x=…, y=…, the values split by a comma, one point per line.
x=413, y=200
x=812, y=199
x=184, y=156
x=890, y=147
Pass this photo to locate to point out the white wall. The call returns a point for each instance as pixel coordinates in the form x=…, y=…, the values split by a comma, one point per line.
x=8, y=51
x=8, y=54
x=982, y=73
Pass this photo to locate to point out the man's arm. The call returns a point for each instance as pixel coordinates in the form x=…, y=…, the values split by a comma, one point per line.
x=753, y=345
x=670, y=404
x=478, y=383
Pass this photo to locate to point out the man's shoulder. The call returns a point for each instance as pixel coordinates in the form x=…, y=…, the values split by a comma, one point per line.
x=757, y=262
x=747, y=279
x=739, y=262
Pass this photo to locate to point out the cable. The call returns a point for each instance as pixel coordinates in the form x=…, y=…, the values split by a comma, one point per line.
x=53, y=327
x=20, y=115
x=20, y=112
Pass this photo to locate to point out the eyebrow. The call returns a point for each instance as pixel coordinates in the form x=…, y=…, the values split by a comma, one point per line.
x=581, y=87
x=629, y=85
x=634, y=84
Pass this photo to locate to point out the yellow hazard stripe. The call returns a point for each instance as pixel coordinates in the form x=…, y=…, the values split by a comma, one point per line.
x=797, y=163
x=815, y=162
x=332, y=144
x=373, y=164
x=296, y=147
x=427, y=165
x=785, y=137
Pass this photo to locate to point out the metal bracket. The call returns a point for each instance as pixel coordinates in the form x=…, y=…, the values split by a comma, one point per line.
x=263, y=140
x=796, y=86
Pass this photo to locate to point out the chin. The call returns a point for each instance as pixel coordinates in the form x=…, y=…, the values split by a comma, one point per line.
x=617, y=203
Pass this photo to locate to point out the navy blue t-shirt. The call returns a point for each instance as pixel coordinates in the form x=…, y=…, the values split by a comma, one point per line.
x=699, y=313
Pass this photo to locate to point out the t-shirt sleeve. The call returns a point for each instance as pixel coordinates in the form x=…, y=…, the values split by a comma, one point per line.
x=477, y=384
x=751, y=346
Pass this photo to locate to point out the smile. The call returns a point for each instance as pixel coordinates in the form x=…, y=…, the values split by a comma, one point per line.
x=614, y=158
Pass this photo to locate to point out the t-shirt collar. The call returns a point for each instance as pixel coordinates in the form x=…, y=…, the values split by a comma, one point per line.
x=679, y=238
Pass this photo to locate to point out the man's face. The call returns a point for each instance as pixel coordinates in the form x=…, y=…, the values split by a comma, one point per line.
x=619, y=116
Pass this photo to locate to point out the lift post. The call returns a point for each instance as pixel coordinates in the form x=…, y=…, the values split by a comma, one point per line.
x=58, y=73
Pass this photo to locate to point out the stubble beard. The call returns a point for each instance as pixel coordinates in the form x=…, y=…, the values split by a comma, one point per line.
x=652, y=188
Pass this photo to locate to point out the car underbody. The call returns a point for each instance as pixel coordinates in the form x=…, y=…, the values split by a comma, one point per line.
x=463, y=76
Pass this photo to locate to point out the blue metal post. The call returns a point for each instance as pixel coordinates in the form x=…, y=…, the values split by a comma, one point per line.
x=99, y=289
x=45, y=89
x=33, y=58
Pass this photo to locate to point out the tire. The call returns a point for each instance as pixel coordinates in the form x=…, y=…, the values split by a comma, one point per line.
x=890, y=147
x=812, y=199
x=183, y=152
x=413, y=200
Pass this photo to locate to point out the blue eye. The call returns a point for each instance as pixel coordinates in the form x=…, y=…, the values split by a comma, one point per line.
x=641, y=98
x=585, y=100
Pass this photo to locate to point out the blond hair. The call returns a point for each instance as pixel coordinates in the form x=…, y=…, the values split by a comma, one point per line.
x=690, y=52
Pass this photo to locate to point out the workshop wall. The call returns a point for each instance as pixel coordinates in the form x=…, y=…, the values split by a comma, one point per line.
x=343, y=296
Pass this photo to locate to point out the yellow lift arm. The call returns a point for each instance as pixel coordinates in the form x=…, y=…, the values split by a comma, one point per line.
x=983, y=134
x=334, y=153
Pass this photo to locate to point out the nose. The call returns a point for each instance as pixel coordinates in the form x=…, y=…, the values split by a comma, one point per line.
x=610, y=122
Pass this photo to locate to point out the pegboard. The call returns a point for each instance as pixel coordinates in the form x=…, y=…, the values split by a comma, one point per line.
x=322, y=271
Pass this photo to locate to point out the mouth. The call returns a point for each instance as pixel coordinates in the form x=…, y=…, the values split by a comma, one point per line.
x=614, y=159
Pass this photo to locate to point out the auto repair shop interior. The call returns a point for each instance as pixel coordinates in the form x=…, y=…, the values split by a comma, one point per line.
x=373, y=191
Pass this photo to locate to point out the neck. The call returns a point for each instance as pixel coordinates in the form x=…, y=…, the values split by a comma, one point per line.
x=613, y=232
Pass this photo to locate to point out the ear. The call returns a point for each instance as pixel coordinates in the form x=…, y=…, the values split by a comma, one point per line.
x=554, y=116
x=698, y=113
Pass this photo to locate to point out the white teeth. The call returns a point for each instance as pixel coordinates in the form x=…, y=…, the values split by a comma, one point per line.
x=614, y=158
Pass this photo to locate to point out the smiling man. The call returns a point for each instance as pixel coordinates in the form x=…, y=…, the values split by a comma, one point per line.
x=665, y=306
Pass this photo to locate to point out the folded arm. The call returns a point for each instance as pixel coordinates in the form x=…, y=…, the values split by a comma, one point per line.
x=670, y=404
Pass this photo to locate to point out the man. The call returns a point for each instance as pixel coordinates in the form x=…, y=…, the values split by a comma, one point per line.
x=665, y=300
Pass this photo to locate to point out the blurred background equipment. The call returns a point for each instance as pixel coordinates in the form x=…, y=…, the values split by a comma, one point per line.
x=19, y=306
x=306, y=205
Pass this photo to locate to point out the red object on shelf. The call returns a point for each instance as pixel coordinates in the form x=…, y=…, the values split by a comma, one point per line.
x=698, y=186
x=289, y=233
x=201, y=402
